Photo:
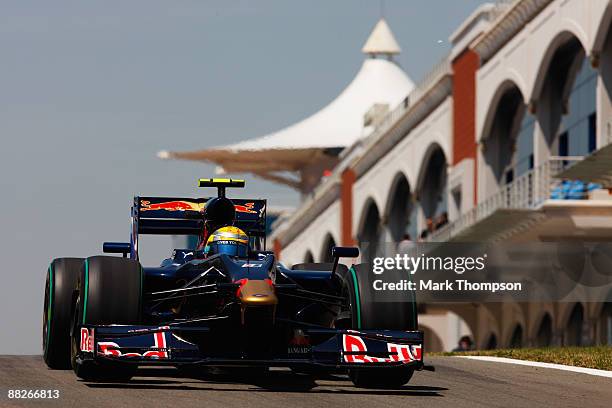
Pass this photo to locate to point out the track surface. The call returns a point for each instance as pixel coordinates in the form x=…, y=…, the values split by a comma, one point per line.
x=455, y=383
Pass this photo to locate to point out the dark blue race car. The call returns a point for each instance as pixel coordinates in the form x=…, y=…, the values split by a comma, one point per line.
x=106, y=315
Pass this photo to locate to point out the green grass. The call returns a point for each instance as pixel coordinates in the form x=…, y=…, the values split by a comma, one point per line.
x=599, y=357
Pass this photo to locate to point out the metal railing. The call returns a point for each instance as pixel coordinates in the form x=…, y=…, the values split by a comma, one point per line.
x=528, y=191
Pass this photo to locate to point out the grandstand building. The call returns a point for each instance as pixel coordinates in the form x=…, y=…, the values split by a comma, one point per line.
x=508, y=138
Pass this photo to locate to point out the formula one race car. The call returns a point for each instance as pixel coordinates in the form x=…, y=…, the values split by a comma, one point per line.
x=226, y=303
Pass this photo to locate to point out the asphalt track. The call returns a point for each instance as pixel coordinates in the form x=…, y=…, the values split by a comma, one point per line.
x=455, y=383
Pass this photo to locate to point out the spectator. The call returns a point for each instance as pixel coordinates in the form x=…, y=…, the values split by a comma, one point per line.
x=442, y=220
x=405, y=245
x=465, y=344
x=430, y=225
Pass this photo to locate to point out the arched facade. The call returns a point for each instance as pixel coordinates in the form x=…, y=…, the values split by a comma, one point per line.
x=328, y=244
x=369, y=235
x=565, y=100
x=544, y=336
x=574, y=327
x=432, y=189
x=399, y=209
x=523, y=108
x=507, y=143
x=308, y=258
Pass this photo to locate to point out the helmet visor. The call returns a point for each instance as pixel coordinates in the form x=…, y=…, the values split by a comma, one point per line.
x=231, y=249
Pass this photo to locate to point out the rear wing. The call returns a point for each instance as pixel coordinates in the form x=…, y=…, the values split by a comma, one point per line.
x=184, y=216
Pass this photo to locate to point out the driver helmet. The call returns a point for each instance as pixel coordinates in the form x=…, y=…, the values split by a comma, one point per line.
x=228, y=240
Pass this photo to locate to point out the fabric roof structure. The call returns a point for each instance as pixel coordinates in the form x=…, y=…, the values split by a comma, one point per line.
x=336, y=126
x=381, y=41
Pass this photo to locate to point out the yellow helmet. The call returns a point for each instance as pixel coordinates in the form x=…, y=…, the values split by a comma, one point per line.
x=228, y=240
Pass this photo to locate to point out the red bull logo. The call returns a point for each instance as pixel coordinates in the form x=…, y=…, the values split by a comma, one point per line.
x=158, y=351
x=171, y=206
x=246, y=208
x=145, y=205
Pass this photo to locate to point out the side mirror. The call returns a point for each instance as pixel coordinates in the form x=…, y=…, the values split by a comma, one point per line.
x=117, y=248
x=343, y=252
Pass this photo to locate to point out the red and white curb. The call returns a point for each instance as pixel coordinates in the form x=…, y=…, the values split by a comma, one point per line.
x=583, y=370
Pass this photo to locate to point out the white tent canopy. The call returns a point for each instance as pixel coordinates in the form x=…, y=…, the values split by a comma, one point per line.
x=337, y=125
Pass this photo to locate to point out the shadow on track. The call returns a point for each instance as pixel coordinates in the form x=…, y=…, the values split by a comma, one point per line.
x=275, y=381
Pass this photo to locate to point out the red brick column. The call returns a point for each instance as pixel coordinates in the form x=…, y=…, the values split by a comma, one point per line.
x=346, y=207
x=464, y=111
x=277, y=248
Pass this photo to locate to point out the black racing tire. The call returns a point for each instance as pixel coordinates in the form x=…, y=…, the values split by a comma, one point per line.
x=381, y=378
x=60, y=287
x=109, y=292
x=321, y=266
x=368, y=311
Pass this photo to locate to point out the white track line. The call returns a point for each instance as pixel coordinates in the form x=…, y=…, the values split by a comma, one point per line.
x=583, y=370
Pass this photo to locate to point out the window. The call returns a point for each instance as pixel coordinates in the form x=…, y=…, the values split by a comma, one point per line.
x=563, y=144
x=592, y=131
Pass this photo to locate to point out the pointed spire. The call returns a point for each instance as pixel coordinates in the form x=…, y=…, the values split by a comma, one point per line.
x=381, y=41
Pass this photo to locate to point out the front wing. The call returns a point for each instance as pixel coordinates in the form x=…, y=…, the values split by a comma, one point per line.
x=151, y=345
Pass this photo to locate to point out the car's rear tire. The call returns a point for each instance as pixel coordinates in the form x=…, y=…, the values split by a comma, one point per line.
x=60, y=286
x=369, y=312
x=109, y=292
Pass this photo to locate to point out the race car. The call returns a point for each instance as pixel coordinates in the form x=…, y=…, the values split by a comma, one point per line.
x=226, y=303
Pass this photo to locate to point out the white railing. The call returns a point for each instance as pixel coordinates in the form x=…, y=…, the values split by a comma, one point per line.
x=500, y=7
x=528, y=191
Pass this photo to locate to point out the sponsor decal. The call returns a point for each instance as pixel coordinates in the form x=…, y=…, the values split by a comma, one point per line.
x=181, y=205
x=87, y=337
x=295, y=349
x=251, y=265
x=404, y=353
x=158, y=351
x=171, y=206
x=246, y=208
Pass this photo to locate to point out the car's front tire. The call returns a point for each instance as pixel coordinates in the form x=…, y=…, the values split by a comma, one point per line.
x=109, y=292
x=368, y=313
x=60, y=286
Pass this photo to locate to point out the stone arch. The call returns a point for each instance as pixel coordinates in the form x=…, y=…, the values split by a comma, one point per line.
x=369, y=231
x=432, y=184
x=570, y=37
x=507, y=139
x=491, y=342
x=433, y=342
x=603, y=59
x=573, y=327
x=603, y=316
x=603, y=31
x=308, y=258
x=544, y=334
x=516, y=339
x=398, y=207
x=565, y=108
x=328, y=243
x=504, y=87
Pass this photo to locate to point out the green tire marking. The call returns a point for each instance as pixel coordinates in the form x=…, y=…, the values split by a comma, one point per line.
x=141, y=278
x=358, y=303
x=86, y=290
x=414, y=305
x=50, y=306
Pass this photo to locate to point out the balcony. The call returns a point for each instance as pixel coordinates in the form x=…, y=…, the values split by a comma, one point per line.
x=526, y=210
x=596, y=168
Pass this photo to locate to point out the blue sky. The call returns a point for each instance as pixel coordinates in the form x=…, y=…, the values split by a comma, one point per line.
x=91, y=90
